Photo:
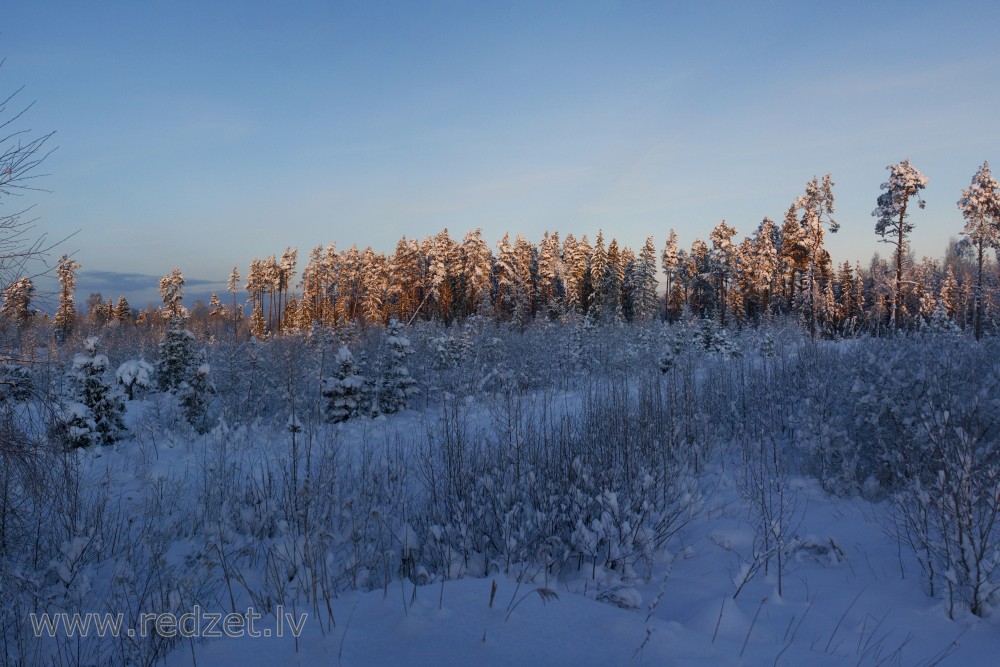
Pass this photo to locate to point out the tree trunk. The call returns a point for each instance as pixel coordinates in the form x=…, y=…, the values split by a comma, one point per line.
x=979, y=294
x=898, y=305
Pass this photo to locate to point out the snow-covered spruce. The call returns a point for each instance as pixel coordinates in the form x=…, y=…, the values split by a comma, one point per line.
x=93, y=413
x=193, y=394
x=347, y=393
x=395, y=386
x=176, y=356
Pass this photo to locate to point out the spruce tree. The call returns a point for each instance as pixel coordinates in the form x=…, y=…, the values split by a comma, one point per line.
x=193, y=393
x=346, y=393
x=395, y=386
x=177, y=346
x=105, y=406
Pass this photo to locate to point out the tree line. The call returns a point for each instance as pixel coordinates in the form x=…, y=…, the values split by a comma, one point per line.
x=777, y=270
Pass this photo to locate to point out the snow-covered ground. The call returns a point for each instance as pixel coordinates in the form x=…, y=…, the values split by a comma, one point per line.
x=668, y=504
x=850, y=595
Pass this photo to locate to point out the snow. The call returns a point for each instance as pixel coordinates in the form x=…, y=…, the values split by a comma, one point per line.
x=844, y=602
x=202, y=503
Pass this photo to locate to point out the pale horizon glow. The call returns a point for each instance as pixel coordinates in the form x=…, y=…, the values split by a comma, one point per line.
x=202, y=135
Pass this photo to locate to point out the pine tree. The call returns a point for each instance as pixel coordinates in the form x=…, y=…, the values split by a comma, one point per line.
x=233, y=287
x=514, y=281
x=442, y=263
x=65, y=318
x=670, y=261
x=793, y=256
x=723, y=257
x=629, y=293
x=576, y=255
x=699, y=270
x=172, y=293
x=551, y=275
x=285, y=271
x=606, y=302
x=762, y=262
x=904, y=183
x=980, y=206
x=477, y=267
x=17, y=297
x=817, y=210
x=374, y=286
x=645, y=299
x=598, y=266
x=215, y=308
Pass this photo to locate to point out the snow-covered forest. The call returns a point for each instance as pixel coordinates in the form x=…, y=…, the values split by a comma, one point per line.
x=450, y=455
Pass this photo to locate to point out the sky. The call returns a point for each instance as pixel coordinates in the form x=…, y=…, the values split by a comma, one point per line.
x=200, y=135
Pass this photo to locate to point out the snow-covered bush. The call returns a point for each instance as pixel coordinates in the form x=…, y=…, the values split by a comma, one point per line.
x=15, y=381
x=134, y=374
x=715, y=340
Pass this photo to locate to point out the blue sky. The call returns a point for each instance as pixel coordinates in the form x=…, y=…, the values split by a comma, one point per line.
x=201, y=135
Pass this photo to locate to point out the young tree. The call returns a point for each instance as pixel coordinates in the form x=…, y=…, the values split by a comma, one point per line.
x=258, y=325
x=92, y=389
x=980, y=206
x=347, y=393
x=134, y=374
x=395, y=386
x=193, y=392
x=904, y=183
